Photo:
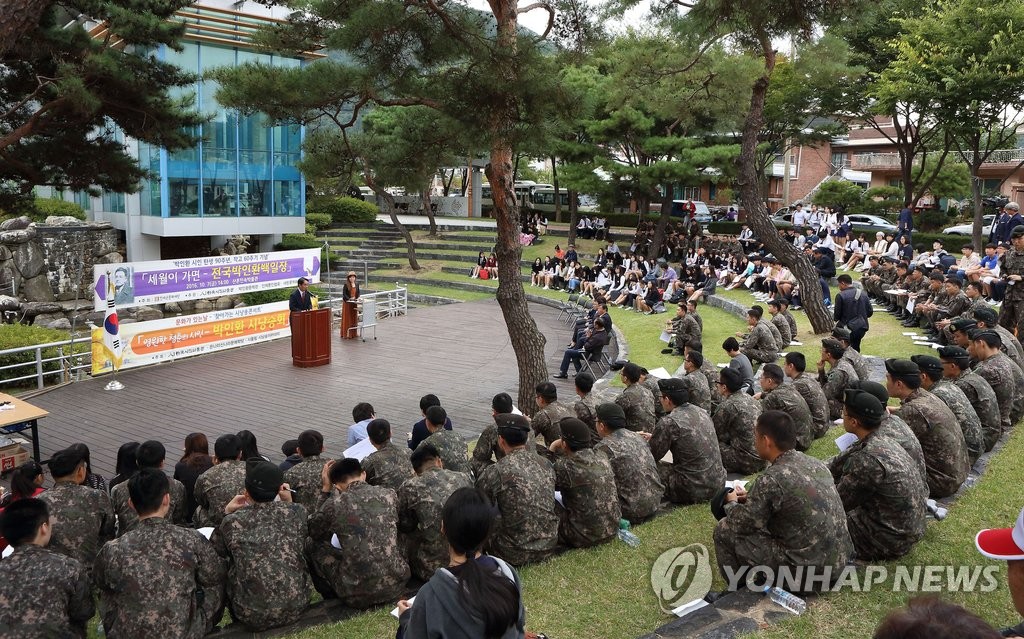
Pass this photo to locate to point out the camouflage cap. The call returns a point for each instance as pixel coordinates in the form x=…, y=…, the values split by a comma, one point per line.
x=928, y=364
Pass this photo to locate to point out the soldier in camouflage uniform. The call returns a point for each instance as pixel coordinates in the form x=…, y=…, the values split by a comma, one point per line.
x=150, y=454
x=636, y=400
x=696, y=382
x=882, y=491
x=933, y=382
x=1001, y=373
x=786, y=397
x=696, y=472
x=487, y=450
x=1011, y=269
x=388, y=466
x=871, y=278
x=857, y=361
x=651, y=383
x=368, y=569
x=304, y=477
x=954, y=303
x=522, y=485
x=589, y=514
x=956, y=368
x=710, y=373
x=760, y=345
x=691, y=310
x=637, y=481
x=734, y=425
x=158, y=579
x=987, y=318
x=586, y=406
x=263, y=541
x=684, y=329
x=942, y=441
x=792, y=516
x=216, y=487
x=811, y=392
x=780, y=323
x=44, y=593
x=550, y=411
x=420, y=502
x=927, y=303
x=788, y=317
x=838, y=379
x=82, y=517
x=450, y=445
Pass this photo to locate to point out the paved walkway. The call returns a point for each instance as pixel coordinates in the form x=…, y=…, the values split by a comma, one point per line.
x=460, y=352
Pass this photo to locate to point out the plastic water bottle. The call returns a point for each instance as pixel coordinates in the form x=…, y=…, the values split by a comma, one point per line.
x=625, y=535
x=787, y=600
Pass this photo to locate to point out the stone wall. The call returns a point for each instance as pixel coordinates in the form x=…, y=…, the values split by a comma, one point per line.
x=71, y=252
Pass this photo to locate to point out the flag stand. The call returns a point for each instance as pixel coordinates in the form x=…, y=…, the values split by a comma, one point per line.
x=114, y=385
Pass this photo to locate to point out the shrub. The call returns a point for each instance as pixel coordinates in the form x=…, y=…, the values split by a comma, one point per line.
x=952, y=243
x=276, y=295
x=45, y=207
x=310, y=229
x=19, y=335
x=290, y=242
x=342, y=210
x=319, y=220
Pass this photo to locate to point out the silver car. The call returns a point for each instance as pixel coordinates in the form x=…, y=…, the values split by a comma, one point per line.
x=968, y=229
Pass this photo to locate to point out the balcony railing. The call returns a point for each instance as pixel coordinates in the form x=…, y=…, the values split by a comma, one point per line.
x=875, y=161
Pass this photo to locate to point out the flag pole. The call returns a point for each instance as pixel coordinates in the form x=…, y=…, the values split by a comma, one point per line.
x=115, y=357
x=113, y=384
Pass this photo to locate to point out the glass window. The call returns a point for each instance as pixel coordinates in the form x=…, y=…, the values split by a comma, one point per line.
x=113, y=202
x=149, y=159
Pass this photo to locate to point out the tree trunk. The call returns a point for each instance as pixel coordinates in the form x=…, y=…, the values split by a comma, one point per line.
x=574, y=218
x=659, y=230
x=448, y=183
x=428, y=209
x=18, y=18
x=389, y=204
x=757, y=213
x=526, y=339
x=558, y=199
x=465, y=182
x=979, y=211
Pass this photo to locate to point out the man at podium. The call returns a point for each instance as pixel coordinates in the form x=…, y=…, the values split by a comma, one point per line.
x=301, y=300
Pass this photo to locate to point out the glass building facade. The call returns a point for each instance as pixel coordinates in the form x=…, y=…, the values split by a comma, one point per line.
x=240, y=167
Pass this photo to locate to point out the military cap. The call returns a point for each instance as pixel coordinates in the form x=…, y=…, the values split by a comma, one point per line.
x=928, y=364
x=262, y=478
x=1017, y=231
x=64, y=462
x=509, y=420
x=732, y=379
x=575, y=432
x=842, y=334
x=902, y=368
x=986, y=315
x=876, y=389
x=873, y=257
x=611, y=414
x=954, y=353
x=863, y=403
x=963, y=324
x=989, y=337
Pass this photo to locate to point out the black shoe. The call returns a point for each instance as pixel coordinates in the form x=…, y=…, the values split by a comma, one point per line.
x=560, y=376
x=715, y=595
x=666, y=351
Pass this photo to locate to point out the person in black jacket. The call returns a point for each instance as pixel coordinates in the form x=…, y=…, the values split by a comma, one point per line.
x=596, y=340
x=300, y=299
x=852, y=310
x=826, y=267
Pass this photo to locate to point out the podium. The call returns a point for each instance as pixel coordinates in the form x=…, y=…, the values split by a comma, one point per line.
x=311, y=338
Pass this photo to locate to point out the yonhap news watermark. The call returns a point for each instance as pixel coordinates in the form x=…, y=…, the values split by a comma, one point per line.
x=682, y=574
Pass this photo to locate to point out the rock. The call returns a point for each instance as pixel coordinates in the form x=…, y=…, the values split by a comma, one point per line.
x=110, y=258
x=8, y=303
x=5, y=254
x=204, y=306
x=63, y=220
x=29, y=259
x=147, y=313
x=37, y=289
x=172, y=308
x=240, y=305
x=31, y=309
x=75, y=305
x=225, y=303
x=52, y=320
x=127, y=320
x=18, y=237
x=15, y=223
x=101, y=225
x=186, y=306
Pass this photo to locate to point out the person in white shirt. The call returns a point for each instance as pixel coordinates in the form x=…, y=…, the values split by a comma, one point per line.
x=892, y=247
x=969, y=261
x=799, y=216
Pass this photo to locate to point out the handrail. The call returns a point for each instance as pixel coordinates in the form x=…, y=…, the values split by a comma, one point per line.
x=68, y=365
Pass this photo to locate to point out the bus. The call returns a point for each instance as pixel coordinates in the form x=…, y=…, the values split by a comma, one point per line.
x=540, y=198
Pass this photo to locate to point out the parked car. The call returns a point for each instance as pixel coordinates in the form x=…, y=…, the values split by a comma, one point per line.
x=861, y=223
x=968, y=229
x=682, y=208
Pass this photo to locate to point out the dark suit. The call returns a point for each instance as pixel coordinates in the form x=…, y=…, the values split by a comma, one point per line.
x=852, y=310
x=597, y=341
x=300, y=301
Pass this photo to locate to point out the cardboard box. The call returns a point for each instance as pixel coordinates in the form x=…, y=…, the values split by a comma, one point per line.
x=12, y=456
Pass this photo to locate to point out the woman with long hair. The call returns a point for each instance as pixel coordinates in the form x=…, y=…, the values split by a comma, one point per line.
x=249, y=447
x=195, y=460
x=477, y=596
x=349, y=311
x=481, y=262
x=26, y=482
x=126, y=464
x=536, y=273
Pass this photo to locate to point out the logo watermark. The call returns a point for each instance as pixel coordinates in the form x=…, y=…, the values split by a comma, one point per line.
x=680, y=575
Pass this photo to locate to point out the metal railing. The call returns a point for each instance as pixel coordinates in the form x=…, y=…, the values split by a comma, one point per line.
x=866, y=161
x=68, y=361
x=390, y=303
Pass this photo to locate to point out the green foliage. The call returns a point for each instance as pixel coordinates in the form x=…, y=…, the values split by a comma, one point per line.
x=42, y=207
x=256, y=298
x=19, y=335
x=319, y=220
x=952, y=243
x=65, y=94
x=933, y=219
x=839, y=193
x=293, y=241
x=953, y=180
x=341, y=210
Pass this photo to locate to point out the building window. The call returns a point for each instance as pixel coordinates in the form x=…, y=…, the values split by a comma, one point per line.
x=991, y=186
x=113, y=202
x=691, y=193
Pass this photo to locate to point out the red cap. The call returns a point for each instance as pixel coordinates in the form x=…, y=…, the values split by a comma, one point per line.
x=1006, y=544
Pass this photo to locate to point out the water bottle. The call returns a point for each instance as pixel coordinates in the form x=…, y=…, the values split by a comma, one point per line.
x=625, y=535
x=787, y=600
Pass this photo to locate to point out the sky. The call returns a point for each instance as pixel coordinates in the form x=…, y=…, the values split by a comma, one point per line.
x=537, y=19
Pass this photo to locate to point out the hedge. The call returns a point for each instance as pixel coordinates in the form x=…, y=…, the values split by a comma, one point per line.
x=43, y=207
x=19, y=335
x=276, y=295
x=342, y=210
x=319, y=220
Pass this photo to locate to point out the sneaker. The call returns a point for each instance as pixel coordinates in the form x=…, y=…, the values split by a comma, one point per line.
x=546, y=288
x=560, y=376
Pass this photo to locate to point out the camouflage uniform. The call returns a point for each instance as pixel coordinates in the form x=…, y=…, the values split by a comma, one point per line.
x=486, y=450
x=1000, y=373
x=814, y=397
x=590, y=513
x=160, y=580
x=952, y=307
x=791, y=321
x=776, y=334
x=369, y=568
x=545, y=421
x=712, y=374
x=760, y=345
x=965, y=416
x=83, y=520
x=388, y=466
x=268, y=580
x=305, y=478
x=215, y=488
x=420, y=502
x=685, y=329
x=44, y=594
x=884, y=497
x=1011, y=313
x=700, y=394
x=697, y=318
x=127, y=517
x=522, y=484
x=734, y=424
x=792, y=517
x=897, y=430
x=586, y=411
x=942, y=441
x=782, y=326
x=637, y=480
x=696, y=472
x=1009, y=345
x=638, y=404
x=788, y=399
x=857, y=361
x=453, y=450
x=651, y=383
x=983, y=399
x=838, y=379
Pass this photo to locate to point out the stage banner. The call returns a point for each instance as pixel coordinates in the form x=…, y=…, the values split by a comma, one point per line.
x=172, y=338
x=144, y=283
